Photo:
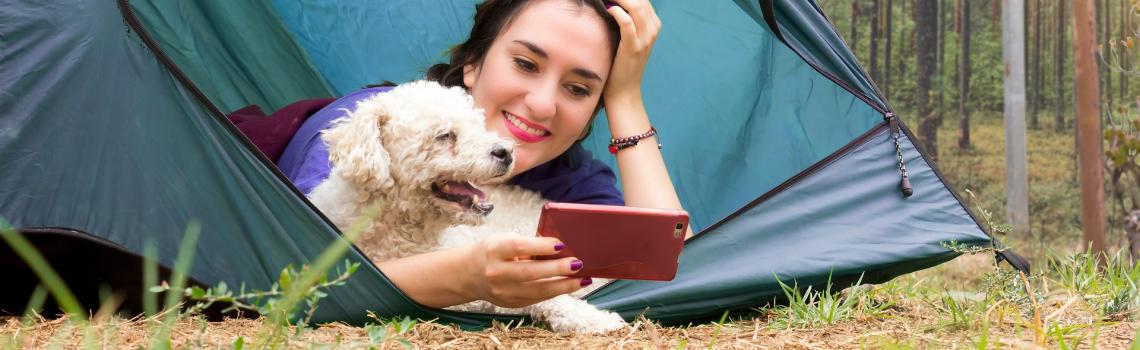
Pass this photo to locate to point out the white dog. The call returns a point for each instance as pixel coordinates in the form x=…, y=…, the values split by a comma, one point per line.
x=416, y=154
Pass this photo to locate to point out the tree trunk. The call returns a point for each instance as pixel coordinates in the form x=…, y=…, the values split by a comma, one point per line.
x=889, y=33
x=1013, y=57
x=875, y=42
x=1059, y=73
x=964, y=77
x=1088, y=126
x=1102, y=69
x=1123, y=83
x=925, y=30
x=1035, y=41
x=1047, y=47
x=940, y=56
x=1106, y=93
x=995, y=13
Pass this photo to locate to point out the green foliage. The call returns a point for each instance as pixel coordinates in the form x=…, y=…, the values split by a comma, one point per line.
x=380, y=334
x=264, y=302
x=1136, y=341
x=815, y=308
x=1122, y=168
x=1110, y=286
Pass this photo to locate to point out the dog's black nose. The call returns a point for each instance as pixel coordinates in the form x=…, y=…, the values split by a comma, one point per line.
x=502, y=154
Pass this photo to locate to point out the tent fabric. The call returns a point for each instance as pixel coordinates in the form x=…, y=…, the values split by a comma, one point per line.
x=117, y=131
x=707, y=44
x=737, y=262
x=803, y=26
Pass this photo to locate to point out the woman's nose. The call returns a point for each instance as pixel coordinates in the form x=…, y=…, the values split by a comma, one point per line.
x=542, y=102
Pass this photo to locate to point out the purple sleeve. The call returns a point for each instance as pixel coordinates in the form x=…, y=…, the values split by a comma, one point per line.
x=576, y=177
x=305, y=161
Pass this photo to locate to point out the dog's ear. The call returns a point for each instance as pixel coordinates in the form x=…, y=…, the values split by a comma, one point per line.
x=356, y=150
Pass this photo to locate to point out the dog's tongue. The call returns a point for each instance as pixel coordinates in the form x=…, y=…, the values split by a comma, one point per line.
x=465, y=189
x=478, y=199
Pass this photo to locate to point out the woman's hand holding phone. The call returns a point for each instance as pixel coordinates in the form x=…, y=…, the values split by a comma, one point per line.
x=503, y=273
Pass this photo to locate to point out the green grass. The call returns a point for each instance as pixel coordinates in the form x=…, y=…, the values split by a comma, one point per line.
x=1110, y=285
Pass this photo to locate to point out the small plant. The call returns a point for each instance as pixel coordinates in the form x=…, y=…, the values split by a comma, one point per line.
x=995, y=229
x=1111, y=287
x=818, y=308
x=379, y=334
x=264, y=302
x=959, y=312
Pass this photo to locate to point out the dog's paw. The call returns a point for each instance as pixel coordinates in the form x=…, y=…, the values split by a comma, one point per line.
x=586, y=322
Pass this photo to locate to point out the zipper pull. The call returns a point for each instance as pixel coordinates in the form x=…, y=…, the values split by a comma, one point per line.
x=904, y=184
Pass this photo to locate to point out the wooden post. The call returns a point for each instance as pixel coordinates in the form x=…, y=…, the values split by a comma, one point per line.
x=1013, y=55
x=1088, y=126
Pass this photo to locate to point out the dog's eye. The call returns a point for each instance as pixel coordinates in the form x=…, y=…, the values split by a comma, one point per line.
x=447, y=136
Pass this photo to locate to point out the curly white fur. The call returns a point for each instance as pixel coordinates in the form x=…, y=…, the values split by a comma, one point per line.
x=387, y=153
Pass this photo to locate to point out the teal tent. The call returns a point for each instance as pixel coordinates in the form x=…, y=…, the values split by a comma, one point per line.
x=113, y=135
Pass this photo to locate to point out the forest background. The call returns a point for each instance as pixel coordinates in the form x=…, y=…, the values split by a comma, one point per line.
x=962, y=126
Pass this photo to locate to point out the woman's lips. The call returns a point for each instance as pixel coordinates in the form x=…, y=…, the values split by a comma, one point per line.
x=524, y=131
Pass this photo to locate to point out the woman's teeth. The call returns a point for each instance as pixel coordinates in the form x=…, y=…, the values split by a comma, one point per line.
x=519, y=124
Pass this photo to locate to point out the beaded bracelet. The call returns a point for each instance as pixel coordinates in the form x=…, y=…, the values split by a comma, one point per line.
x=626, y=142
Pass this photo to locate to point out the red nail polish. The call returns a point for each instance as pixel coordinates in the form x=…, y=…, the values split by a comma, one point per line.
x=586, y=281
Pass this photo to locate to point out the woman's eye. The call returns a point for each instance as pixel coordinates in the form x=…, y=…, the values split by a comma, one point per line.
x=578, y=91
x=525, y=65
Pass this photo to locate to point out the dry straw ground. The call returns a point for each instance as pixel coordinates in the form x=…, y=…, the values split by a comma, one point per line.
x=916, y=318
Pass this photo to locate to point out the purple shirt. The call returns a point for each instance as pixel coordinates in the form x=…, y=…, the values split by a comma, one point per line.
x=573, y=177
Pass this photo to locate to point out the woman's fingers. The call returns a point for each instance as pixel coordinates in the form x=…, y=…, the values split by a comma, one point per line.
x=641, y=14
x=509, y=247
x=533, y=270
x=625, y=22
x=521, y=283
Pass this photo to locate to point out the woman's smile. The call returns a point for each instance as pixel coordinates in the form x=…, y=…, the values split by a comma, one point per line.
x=524, y=130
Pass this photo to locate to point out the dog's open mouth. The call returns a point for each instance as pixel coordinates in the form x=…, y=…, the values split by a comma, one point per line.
x=464, y=194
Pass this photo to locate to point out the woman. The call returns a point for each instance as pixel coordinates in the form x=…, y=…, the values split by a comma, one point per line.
x=541, y=69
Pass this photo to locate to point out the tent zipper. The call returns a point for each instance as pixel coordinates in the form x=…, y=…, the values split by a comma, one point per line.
x=904, y=184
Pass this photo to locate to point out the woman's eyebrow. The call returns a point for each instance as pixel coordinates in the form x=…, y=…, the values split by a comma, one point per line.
x=585, y=73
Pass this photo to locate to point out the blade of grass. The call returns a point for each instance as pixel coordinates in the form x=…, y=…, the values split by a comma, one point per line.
x=35, y=303
x=716, y=332
x=1136, y=341
x=42, y=269
x=150, y=279
x=182, y=262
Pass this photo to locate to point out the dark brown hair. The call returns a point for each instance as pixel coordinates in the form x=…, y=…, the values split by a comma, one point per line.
x=491, y=17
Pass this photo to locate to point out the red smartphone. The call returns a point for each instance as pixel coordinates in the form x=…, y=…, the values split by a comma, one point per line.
x=616, y=241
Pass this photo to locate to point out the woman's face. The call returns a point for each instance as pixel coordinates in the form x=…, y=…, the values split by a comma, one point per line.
x=542, y=78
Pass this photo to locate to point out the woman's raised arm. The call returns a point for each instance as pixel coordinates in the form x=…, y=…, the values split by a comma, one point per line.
x=645, y=180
